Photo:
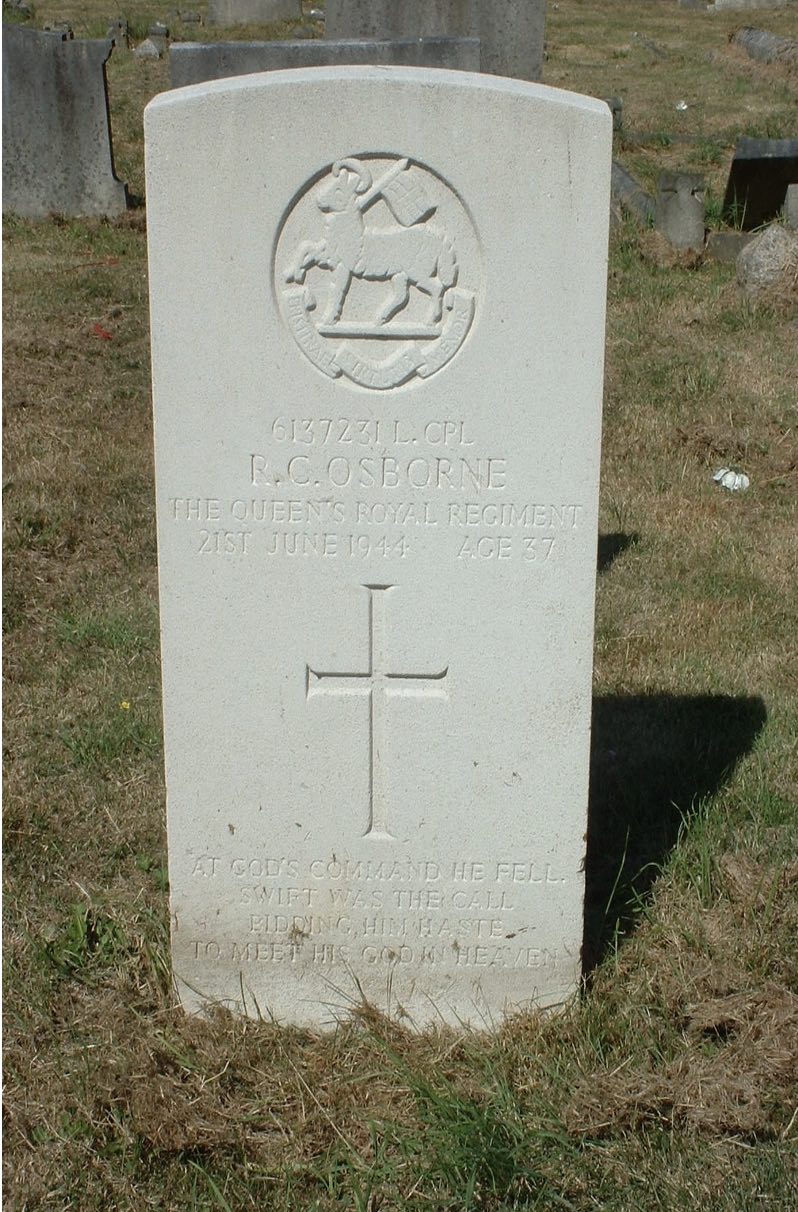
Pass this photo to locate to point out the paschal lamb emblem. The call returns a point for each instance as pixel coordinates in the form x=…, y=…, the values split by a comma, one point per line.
x=376, y=271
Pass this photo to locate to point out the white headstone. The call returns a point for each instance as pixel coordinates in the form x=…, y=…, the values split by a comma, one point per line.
x=377, y=363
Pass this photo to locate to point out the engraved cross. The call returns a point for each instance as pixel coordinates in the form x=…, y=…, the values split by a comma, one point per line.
x=376, y=684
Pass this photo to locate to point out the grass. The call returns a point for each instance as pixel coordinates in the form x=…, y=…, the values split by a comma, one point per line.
x=672, y=1082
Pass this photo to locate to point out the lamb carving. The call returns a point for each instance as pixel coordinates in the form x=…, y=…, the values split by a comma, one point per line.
x=406, y=254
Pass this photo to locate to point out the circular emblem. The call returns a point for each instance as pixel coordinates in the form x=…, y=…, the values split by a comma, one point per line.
x=376, y=271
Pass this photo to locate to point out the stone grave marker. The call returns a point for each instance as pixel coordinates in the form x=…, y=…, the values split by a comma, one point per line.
x=118, y=32
x=511, y=32
x=252, y=12
x=791, y=207
x=193, y=62
x=22, y=10
x=759, y=176
x=377, y=373
x=721, y=6
x=680, y=209
x=766, y=47
x=57, y=154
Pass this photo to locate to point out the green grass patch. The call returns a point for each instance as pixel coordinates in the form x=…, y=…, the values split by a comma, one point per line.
x=101, y=744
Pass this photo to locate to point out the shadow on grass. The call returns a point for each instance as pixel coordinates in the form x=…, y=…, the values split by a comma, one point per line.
x=610, y=546
x=653, y=757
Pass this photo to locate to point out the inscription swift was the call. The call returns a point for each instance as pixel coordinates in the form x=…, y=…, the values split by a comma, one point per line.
x=377, y=684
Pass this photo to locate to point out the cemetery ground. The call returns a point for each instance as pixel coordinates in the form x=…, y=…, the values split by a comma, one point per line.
x=672, y=1082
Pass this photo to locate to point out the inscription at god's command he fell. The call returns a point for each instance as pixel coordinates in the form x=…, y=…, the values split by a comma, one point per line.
x=377, y=399
x=376, y=294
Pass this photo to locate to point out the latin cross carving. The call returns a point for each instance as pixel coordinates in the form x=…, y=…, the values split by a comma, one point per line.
x=377, y=684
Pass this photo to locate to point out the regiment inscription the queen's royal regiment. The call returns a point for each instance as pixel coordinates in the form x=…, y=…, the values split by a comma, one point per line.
x=377, y=339
x=376, y=270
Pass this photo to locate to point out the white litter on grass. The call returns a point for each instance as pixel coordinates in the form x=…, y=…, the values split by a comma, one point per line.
x=681, y=106
x=735, y=481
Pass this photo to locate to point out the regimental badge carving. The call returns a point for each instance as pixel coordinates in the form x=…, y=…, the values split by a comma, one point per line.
x=377, y=270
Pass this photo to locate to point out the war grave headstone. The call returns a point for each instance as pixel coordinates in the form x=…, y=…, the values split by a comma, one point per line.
x=193, y=62
x=252, y=12
x=512, y=33
x=377, y=374
x=757, y=187
x=57, y=154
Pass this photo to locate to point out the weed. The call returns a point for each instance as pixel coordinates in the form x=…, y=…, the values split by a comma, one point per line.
x=470, y=1150
x=116, y=632
x=710, y=151
x=87, y=944
x=121, y=733
x=714, y=215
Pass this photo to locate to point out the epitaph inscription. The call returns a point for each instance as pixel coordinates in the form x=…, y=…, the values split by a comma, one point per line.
x=376, y=271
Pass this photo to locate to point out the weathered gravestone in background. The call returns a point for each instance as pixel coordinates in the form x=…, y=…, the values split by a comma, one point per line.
x=193, y=62
x=791, y=207
x=680, y=209
x=757, y=187
x=511, y=32
x=252, y=12
x=56, y=136
x=766, y=47
x=377, y=367
x=720, y=6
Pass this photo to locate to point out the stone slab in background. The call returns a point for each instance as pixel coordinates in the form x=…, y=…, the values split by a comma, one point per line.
x=193, y=62
x=760, y=44
x=252, y=12
x=616, y=109
x=150, y=48
x=769, y=263
x=680, y=209
x=512, y=33
x=726, y=246
x=21, y=8
x=377, y=488
x=760, y=173
x=118, y=33
x=738, y=6
x=791, y=207
x=57, y=154
x=629, y=195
